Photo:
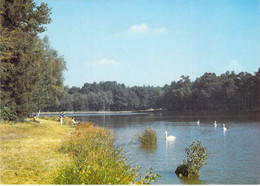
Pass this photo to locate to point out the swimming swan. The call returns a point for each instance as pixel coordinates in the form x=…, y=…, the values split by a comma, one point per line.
x=169, y=137
x=215, y=124
x=198, y=122
x=224, y=128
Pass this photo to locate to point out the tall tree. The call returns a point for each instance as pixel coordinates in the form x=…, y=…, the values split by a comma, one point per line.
x=27, y=61
x=49, y=89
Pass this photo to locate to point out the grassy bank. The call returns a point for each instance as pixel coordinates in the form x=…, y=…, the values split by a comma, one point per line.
x=29, y=151
x=47, y=153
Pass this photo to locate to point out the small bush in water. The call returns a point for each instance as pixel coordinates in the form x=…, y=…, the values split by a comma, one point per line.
x=196, y=158
x=96, y=161
x=148, y=137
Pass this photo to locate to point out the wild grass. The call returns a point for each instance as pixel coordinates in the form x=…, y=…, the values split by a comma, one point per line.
x=66, y=120
x=148, y=137
x=47, y=153
x=96, y=161
x=29, y=152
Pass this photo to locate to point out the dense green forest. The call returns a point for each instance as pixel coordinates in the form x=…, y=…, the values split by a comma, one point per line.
x=31, y=71
x=226, y=92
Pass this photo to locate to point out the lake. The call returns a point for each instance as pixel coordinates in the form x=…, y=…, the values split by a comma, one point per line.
x=233, y=156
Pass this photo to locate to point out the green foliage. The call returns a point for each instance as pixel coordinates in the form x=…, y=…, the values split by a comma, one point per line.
x=8, y=113
x=148, y=137
x=196, y=158
x=31, y=72
x=96, y=161
x=24, y=15
x=149, y=177
x=226, y=92
x=109, y=95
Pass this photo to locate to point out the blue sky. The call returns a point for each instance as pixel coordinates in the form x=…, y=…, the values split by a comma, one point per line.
x=148, y=42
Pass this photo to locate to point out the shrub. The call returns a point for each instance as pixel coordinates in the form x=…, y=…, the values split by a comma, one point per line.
x=148, y=137
x=8, y=113
x=196, y=158
x=96, y=161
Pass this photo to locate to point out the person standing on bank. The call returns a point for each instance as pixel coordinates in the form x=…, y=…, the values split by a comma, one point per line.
x=61, y=117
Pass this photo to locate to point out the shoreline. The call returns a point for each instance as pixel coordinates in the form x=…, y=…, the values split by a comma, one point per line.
x=42, y=154
x=247, y=112
x=84, y=112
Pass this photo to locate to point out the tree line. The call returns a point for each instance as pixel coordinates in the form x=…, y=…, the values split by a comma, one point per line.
x=226, y=92
x=109, y=95
x=31, y=71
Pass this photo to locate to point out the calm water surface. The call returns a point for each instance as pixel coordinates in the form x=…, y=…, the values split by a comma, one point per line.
x=234, y=156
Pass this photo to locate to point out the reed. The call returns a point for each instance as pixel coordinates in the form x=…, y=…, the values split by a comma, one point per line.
x=148, y=137
x=96, y=161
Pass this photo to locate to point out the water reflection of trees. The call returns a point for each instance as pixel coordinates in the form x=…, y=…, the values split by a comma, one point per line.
x=149, y=149
x=191, y=181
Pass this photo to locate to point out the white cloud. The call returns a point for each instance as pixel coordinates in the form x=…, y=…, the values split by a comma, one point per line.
x=104, y=63
x=143, y=28
x=138, y=28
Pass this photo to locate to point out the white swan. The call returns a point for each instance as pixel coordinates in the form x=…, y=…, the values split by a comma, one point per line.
x=224, y=128
x=215, y=124
x=169, y=137
x=198, y=122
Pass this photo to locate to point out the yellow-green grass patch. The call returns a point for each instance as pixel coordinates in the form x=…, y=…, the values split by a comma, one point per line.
x=29, y=151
